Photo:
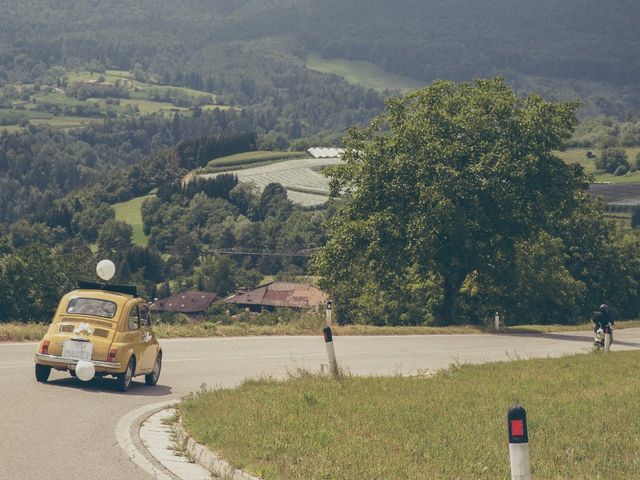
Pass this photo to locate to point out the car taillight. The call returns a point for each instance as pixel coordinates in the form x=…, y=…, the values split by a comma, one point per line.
x=112, y=355
x=44, y=348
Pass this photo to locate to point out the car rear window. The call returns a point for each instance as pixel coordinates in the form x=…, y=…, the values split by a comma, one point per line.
x=92, y=306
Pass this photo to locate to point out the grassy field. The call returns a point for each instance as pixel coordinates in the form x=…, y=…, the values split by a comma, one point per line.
x=144, y=100
x=582, y=417
x=146, y=107
x=579, y=155
x=362, y=73
x=130, y=213
x=139, y=89
x=46, y=118
x=67, y=121
x=11, y=128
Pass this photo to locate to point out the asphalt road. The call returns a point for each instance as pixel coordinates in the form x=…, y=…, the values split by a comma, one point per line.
x=66, y=429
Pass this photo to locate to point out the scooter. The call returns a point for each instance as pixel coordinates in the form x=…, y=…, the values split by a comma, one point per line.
x=603, y=338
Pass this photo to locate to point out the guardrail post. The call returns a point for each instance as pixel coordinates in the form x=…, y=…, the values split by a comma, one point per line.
x=331, y=352
x=497, y=320
x=518, y=443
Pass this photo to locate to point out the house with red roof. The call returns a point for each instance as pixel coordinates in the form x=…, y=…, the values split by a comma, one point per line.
x=191, y=303
x=279, y=295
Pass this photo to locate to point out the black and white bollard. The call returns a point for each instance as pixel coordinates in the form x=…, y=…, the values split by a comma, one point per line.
x=331, y=352
x=329, y=312
x=518, y=443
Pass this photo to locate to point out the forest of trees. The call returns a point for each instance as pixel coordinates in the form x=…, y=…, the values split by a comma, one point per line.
x=68, y=221
x=57, y=186
x=424, y=40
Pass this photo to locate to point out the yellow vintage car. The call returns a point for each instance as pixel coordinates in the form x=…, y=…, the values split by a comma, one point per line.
x=100, y=330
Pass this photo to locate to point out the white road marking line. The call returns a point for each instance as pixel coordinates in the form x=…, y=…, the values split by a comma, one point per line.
x=260, y=357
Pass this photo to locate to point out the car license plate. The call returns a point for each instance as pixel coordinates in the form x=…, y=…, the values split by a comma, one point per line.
x=77, y=350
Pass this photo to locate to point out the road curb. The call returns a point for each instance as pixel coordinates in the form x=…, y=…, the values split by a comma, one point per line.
x=125, y=436
x=207, y=459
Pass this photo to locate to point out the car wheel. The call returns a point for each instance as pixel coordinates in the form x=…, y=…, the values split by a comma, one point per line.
x=152, y=378
x=123, y=380
x=42, y=373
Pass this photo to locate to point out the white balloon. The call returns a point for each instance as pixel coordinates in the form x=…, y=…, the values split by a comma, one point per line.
x=85, y=371
x=106, y=270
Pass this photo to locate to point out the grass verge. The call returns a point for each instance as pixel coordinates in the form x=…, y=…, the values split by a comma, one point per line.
x=582, y=412
x=22, y=332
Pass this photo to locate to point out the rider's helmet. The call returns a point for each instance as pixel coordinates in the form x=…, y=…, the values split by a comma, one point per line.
x=604, y=308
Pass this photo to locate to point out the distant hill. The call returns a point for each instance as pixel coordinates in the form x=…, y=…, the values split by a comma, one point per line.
x=253, y=52
x=423, y=39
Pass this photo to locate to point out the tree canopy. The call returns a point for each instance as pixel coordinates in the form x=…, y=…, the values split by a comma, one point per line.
x=447, y=191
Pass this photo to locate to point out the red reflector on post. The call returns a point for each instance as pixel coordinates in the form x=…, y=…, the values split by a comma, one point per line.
x=517, y=425
x=517, y=428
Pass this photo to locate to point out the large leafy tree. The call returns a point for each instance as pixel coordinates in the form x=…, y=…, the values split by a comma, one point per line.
x=33, y=278
x=444, y=185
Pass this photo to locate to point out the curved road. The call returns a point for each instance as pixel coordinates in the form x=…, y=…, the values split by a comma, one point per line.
x=66, y=429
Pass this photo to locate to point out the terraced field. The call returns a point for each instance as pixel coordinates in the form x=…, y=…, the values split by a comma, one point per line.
x=305, y=185
x=617, y=194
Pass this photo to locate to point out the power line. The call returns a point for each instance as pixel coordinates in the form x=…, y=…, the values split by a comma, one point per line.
x=267, y=253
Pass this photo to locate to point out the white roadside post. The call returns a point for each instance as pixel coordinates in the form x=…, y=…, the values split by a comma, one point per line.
x=329, y=312
x=497, y=319
x=331, y=352
x=518, y=443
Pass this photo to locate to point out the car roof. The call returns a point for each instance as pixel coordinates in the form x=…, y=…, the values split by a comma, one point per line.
x=119, y=298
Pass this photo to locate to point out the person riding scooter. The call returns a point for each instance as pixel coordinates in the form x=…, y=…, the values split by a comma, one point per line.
x=602, y=322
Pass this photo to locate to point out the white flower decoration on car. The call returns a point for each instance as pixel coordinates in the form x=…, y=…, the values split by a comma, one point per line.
x=83, y=328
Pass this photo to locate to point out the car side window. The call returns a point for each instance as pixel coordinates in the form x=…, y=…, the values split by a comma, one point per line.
x=145, y=319
x=134, y=319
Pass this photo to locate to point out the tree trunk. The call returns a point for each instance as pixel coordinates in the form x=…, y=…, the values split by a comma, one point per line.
x=451, y=287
